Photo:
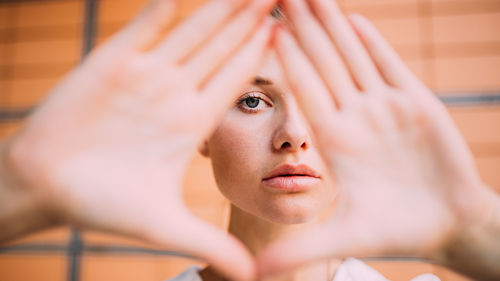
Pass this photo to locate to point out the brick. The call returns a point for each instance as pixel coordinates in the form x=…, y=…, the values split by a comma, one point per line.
x=201, y=193
x=118, y=11
x=40, y=267
x=132, y=267
x=467, y=74
x=6, y=11
x=467, y=49
x=4, y=94
x=27, y=93
x=49, y=33
x=423, y=69
x=5, y=54
x=46, y=52
x=46, y=13
x=382, y=9
x=40, y=71
x=52, y=235
x=488, y=169
x=107, y=29
x=403, y=34
x=476, y=123
x=100, y=238
x=457, y=7
x=481, y=27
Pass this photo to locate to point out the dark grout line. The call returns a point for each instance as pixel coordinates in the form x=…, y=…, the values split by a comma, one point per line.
x=74, y=253
x=456, y=99
x=89, y=31
x=82, y=248
x=471, y=99
x=12, y=115
x=35, y=248
x=107, y=249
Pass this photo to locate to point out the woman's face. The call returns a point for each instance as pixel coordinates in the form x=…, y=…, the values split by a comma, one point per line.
x=263, y=157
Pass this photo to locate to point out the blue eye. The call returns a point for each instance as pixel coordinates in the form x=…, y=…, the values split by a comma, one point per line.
x=252, y=102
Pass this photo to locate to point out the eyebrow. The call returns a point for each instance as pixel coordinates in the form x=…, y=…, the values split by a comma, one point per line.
x=259, y=81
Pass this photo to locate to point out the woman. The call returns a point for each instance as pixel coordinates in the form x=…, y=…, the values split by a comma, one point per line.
x=405, y=180
x=107, y=150
x=266, y=164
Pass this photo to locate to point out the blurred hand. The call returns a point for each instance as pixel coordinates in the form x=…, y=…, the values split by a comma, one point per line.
x=407, y=184
x=108, y=148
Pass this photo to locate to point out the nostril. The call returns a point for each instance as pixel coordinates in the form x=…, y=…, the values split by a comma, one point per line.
x=285, y=145
x=304, y=145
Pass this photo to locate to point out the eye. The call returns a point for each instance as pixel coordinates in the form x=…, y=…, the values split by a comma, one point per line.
x=253, y=102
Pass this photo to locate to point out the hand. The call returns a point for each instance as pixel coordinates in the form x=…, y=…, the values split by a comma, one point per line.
x=407, y=184
x=108, y=148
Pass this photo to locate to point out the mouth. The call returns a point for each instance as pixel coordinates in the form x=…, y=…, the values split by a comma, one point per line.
x=292, y=178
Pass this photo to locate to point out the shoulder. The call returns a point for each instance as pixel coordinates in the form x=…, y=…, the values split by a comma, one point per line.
x=190, y=274
x=355, y=270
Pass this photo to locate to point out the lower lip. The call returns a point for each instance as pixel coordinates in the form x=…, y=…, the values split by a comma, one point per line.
x=292, y=183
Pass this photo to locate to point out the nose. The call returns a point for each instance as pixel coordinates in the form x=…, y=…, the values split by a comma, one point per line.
x=292, y=134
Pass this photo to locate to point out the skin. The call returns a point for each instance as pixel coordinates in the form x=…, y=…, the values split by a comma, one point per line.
x=403, y=171
x=246, y=146
x=76, y=159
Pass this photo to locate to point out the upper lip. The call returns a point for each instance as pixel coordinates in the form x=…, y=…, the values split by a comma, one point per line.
x=292, y=170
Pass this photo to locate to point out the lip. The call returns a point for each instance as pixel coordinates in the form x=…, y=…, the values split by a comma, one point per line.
x=292, y=178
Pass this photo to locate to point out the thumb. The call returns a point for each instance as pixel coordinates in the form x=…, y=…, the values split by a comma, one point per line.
x=333, y=239
x=222, y=251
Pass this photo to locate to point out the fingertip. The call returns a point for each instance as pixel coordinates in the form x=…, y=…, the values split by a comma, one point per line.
x=230, y=257
x=269, y=262
x=359, y=22
x=197, y=238
x=283, y=37
x=239, y=266
x=294, y=251
x=280, y=257
x=356, y=17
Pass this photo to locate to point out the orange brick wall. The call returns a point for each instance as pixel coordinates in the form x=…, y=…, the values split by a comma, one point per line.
x=452, y=45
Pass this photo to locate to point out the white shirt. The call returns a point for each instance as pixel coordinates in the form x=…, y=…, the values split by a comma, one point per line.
x=350, y=270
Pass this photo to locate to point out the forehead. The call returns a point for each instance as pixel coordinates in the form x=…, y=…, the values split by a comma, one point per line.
x=272, y=71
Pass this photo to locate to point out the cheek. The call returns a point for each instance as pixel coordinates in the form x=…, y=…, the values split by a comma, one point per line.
x=238, y=149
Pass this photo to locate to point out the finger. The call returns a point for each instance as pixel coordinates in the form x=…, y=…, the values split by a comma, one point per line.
x=320, y=242
x=347, y=42
x=231, y=79
x=227, y=41
x=149, y=24
x=314, y=98
x=184, y=39
x=395, y=72
x=195, y=237
x=321, y=50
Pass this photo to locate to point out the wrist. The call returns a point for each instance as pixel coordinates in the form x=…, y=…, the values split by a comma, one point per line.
x=23, y=208
x=473, y=248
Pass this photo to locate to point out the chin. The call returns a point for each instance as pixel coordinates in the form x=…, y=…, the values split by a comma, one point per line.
x=292, y=212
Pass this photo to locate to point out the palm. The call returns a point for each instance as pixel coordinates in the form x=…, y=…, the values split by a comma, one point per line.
x=396, y=180
x=112, y=142
x=405, y=178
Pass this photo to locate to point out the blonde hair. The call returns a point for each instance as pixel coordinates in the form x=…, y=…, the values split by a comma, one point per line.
x=278, y=14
